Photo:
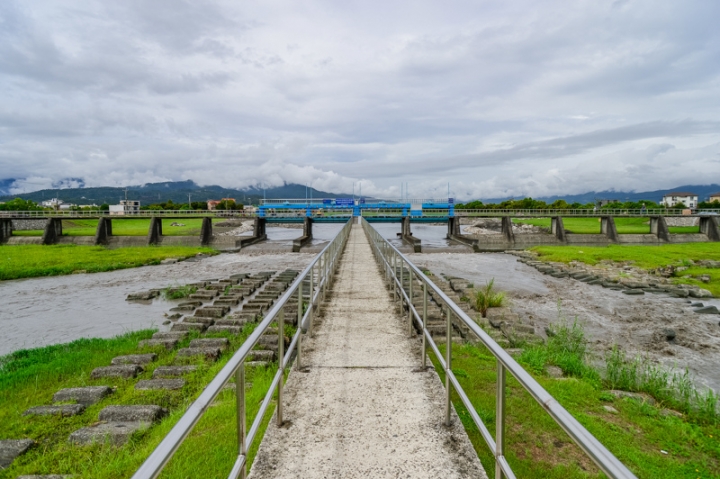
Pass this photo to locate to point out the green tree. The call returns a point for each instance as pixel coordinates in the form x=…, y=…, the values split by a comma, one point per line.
x=19, y=204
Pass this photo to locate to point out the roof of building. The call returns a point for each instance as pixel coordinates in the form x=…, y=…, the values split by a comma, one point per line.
x=679, y=193
x=715, y=194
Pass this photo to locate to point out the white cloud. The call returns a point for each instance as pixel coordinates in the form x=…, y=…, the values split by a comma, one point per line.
x=496, y=98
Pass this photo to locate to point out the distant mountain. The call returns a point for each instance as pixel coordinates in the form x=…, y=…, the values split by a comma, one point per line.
x=703, y=191
x=177, y=191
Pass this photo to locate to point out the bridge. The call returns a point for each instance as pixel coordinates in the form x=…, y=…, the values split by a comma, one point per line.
x=361, y=399
x=339, y=210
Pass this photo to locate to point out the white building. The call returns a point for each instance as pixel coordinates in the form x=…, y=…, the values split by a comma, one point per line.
x=53, y=203
x=126, y=207
x=690, y=200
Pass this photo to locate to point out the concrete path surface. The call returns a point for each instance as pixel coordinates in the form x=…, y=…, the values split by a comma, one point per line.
x=363, y=408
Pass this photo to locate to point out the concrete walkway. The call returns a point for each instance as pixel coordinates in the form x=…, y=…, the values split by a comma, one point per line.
x=363, y=409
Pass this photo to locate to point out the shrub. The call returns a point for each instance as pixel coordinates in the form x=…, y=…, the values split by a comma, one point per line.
x=487, y=298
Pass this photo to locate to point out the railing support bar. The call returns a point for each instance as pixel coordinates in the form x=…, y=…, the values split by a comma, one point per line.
x=500, y=420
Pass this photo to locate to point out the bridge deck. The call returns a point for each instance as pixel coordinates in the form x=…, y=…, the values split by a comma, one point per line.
x=362, y=409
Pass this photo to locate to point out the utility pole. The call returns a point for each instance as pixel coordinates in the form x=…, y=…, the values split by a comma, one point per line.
x=189, y=201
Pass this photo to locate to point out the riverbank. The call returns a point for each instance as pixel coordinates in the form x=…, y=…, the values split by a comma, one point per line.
x=29, y=378
x=32, y=261
x=695, y=264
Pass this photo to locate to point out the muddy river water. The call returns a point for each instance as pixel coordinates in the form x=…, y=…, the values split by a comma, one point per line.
x=38, y=312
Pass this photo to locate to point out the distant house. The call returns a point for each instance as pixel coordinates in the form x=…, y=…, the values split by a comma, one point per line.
x=714, y=197
x=601, y=203
x=53, y=203
x=126, y=207
x=690, y=200
x=212, y=204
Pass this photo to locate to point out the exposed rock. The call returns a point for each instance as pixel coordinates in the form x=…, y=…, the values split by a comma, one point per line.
x=140, y=359
x=10, y=449
x=63, y=410
x=700, y=293
x=124, y=371
x=554, y=371
x=669, y=334
x=610, y=409
x=169, y=384
x=85, y=396
x=707, y=310
x=169, y=260
x=115, y=433
x=633, y=292
x=142, y=413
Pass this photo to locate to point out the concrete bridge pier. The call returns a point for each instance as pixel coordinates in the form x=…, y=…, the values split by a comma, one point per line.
x=53, y=231
x=103, y=231
x=453, y=227
x=407, y=236
x=709, y=226
x=6, y=229
x=557, y=228
x=206, y=233
x=155, y=231
x=658, y=227
x=259, y=233
x=607, y=227
x=306, y=237
x=507, y=229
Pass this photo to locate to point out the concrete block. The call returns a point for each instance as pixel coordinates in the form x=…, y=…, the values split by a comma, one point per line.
x=224, y=329
x=140, y=359
x=211, y=354
x=172, y=371
x=136, y=413
x=261, y=355
x=212, y=311
x=85, y=396
x=177, y=335
x=153, y=343
x=125, y=371
x=199, y=320
x=220, y=343
x=63, y=410
x=152, y=384
x=10, y=449
x=188, y=327
x=115, y=433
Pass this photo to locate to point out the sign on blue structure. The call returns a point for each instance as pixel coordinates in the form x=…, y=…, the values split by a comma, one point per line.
x=451, y=201
x=327, y=201
x=344, y=202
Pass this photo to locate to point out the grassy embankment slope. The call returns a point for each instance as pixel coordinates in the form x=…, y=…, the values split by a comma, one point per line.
x=30, y=378
x=592, y=225
x=126, y=227
x=536, y=447
x=27, y=261
x=646, y=257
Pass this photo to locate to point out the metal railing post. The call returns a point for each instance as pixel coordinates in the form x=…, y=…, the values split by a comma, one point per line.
x=298, y=360
x=281, y=360
x=410, y=305
x=448, y=366
x=310, y=300
x=500, y=420
x=241, y=415
x=393, y=275
x=424, y=326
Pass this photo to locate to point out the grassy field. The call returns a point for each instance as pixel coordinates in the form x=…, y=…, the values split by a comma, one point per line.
x=28, y=261
x=536, y=447
x=30, y=378
x=127, y=227
x=592, y=225
x=646, y=257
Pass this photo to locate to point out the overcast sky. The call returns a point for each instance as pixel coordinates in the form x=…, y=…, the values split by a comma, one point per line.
x=498, y=98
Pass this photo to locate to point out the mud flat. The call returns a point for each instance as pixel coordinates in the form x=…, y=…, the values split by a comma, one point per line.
x=42, y=311
x=637, y=324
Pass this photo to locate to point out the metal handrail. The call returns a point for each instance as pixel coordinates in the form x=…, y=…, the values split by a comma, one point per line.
x=128, y=214
x=584, y=212
x=390, y=260
x=320, y=272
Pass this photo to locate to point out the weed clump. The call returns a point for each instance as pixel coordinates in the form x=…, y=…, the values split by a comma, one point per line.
x=178, y=292
x=487, y=298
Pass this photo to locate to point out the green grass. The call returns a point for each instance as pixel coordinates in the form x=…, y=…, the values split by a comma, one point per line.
x=126, y=227
x=592, y=225
x=536, y=447
x=27, y=261
x=645, y=257
x=30, y=378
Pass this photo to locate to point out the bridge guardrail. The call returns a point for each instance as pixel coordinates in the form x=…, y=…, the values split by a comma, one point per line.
x=320, y=272
x=582, y=212
x=134, y=214
x=390, y=259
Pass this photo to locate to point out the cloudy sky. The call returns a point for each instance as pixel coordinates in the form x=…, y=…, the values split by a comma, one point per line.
x=497, y=98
